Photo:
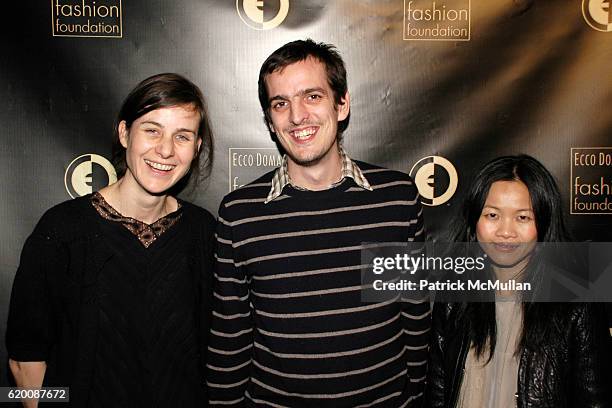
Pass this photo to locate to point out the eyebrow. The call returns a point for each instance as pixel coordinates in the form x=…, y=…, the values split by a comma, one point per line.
x=152, y=122
x=496, y=208
x=300, y=93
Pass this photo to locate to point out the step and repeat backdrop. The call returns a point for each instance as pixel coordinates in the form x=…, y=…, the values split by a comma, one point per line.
x=438, y=87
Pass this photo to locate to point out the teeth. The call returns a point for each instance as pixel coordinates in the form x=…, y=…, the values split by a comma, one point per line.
x=159, y=166
x=303, y=134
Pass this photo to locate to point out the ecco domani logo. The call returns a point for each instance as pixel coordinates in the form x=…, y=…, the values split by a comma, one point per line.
x=598, y=14
x=86, y=18
x=253, y=13
x=88, y=173
x=436, y=179
x=247, y=163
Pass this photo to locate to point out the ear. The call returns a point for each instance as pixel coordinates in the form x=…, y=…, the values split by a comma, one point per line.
x=271, y=127
x=344, y=107
x=123, y=133
x=199, y=145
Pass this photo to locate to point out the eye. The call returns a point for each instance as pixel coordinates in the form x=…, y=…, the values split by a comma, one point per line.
x=183, y=138
x=314, y=97
x=151, y=131
x=491, y=216
x=279, y=105
x=524, y=218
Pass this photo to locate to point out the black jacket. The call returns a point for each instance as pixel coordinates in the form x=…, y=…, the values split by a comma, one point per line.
x=571, y=369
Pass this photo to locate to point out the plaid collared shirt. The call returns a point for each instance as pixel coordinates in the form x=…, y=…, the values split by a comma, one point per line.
x=349, y=169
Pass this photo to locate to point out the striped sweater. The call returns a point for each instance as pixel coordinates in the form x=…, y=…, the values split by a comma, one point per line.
x=289, y=328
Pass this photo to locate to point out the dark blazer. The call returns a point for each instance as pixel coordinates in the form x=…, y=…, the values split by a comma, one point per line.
x=571, y=369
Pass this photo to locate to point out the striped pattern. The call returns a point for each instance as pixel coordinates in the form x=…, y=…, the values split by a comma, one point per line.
x=289, y=327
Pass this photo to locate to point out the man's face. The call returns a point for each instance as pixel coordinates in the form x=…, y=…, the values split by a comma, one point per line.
x=303, y=113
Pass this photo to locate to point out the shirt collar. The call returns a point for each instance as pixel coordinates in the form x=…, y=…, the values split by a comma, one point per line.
x=349, y=169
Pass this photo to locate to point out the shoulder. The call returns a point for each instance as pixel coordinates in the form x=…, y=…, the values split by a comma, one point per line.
x=256, y=189
x=199, y=214
x=585, y=328
x=250, y=194
x=378, y=175
x=581, y=314
x=75, y=206
x=570, y=318
x=446, y=310
x=66, y=218
x=388, y=181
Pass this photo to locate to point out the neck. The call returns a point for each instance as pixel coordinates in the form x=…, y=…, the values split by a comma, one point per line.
x=504, y=274
x=132, y=201
x=318, y=176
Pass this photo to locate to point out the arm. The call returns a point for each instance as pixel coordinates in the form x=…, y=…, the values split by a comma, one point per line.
x=434, y=390
x=231, y=337
x=206, y=246
x=591, y=358
x=417, y=321
x=28, y=374
x=416, y=318
x=29, y=329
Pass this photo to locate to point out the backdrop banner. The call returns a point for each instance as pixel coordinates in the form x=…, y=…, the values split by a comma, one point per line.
x=438, y=87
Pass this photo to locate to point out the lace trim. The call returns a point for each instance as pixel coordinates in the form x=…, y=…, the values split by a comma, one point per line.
x=146, y=233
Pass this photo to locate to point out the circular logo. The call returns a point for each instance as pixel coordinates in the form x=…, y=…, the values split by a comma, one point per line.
x=88, y=173
x=436, y=179
x=251, y=12
x=598, y=14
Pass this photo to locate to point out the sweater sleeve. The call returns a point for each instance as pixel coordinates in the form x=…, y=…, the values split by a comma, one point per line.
x=231, y=338
x=206, y=265
x=30, y=335
x=416, y=319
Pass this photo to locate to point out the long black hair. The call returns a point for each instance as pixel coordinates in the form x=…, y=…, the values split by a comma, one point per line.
x=479, y=317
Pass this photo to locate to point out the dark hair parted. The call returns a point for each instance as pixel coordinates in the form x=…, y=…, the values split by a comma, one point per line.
x=546, y=204
x=164, y=91
x=301, y=50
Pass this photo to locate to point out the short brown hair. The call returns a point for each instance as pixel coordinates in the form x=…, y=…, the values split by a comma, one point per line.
x=300, y=50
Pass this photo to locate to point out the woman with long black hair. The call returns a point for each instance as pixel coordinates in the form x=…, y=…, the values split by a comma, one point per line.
x=512, y=351
x=112, y=294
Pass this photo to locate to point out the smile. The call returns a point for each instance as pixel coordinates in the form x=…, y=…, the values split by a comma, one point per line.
x=304, y=134
x=159, y=166
x=506, y=247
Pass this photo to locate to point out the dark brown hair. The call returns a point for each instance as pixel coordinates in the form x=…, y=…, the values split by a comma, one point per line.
x=162, y=91
x=300, y=50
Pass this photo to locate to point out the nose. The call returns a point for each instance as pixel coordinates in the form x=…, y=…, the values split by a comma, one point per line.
x=165, y=147
x=506, y=229
x=299, y=112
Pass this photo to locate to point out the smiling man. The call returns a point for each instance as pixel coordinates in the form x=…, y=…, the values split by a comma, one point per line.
x=289, y=326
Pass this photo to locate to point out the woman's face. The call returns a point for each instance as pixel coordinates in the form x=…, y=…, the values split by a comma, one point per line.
x=160, y=147
x=506, y=229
